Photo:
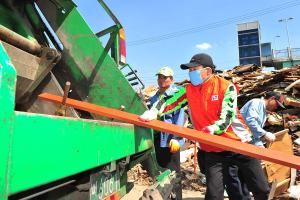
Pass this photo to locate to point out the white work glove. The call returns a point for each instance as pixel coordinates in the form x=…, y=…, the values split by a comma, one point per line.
x=174, y=145
x=270, y=137
x=292, y=125
x=149, y=115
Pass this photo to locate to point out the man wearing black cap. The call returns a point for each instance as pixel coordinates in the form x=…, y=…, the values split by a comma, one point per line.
x=213, y=104
x=254, y=113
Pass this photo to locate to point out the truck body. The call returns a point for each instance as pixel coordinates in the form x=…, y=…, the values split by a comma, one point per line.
x=81, y=155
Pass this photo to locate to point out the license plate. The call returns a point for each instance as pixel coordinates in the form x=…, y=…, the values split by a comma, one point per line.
x=104, y=184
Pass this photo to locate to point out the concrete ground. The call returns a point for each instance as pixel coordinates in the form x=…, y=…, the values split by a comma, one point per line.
x=137, y=192
x=192, y=195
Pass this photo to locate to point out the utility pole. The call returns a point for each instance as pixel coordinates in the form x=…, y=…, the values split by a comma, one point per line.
x=275, y=46
x=287, y=33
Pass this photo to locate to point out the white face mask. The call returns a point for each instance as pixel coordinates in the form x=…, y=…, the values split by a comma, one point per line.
x=195, y=77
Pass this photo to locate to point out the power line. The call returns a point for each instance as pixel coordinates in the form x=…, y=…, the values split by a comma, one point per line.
x=217, y=24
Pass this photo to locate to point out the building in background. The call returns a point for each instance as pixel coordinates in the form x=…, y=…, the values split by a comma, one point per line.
x=249, y=43
x=266, y=50
x=252, y=51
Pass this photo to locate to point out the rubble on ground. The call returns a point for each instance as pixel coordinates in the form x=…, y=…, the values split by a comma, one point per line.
x=253, y=82
x=190, y=180
x=139, y=176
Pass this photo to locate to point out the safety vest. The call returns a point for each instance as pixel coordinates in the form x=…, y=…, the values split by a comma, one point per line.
x=205, y=103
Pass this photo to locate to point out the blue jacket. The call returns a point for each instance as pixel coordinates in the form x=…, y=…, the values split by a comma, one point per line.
x=176, y=117
x=255, y=115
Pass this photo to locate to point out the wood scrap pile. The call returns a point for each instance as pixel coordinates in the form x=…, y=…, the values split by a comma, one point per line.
x=149, y=92
x=253, y=82
x=139, y=176
x=190, y=181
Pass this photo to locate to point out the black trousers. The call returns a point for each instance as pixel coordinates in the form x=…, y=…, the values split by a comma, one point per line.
x=217, y=173
x=235, y=185
x=201, y=160
x=170, y=161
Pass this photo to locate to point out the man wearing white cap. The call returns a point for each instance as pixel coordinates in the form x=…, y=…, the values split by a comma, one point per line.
x=167, y=146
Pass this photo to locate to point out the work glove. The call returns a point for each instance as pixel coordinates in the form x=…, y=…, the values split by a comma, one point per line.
x=270, y=137
x=149, y=115
x=208, y=129
x=174, y=145
x=292, y=125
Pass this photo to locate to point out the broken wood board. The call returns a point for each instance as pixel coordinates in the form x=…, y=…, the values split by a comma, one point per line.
x=213, y=140
x=276, y=172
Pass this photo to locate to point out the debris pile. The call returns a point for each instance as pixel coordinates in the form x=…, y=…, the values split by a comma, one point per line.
x=253, y=82
x=149, y=92
x=190, y=180
x=139, y=176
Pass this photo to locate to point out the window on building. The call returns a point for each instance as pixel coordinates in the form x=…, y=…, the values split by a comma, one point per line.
x=249, y=51
x=248, y=39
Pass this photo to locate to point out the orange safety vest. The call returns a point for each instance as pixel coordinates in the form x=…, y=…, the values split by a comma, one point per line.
x=205, y=103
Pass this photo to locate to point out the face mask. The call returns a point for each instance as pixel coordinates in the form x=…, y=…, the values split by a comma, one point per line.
x=195, y=77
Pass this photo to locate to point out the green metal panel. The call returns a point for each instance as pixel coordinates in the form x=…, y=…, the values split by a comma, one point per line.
x=38, y=149
x=95, y=74
x=12, y=20
x=7, y=99
x=48, y=148
x=290, y=63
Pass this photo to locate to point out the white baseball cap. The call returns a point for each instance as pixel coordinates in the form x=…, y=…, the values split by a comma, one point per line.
x=166, y=71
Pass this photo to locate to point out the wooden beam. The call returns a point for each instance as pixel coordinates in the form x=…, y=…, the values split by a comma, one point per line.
x=220, y=142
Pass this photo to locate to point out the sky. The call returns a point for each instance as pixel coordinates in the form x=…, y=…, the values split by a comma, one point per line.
x=169, y=32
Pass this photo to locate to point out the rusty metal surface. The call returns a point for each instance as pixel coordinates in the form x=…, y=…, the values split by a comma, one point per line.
x=25, y=63
x=223, y=143
x=19, y=41
x=31, y=70
x=50, y=85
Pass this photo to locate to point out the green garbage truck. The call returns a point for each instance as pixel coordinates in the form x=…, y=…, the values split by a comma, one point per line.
x=44, y=44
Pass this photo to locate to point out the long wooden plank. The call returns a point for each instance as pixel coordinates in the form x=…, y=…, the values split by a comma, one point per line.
x=221, y=142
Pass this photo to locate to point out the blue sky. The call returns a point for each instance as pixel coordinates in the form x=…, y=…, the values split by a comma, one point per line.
x=191, y=26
